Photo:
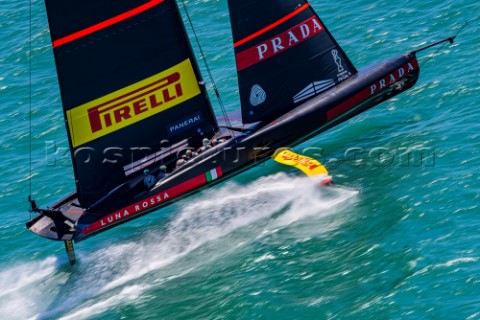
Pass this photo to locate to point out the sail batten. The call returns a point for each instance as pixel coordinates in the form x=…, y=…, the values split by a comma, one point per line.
x=282, y=49
x=105, y=24
x=271, y=26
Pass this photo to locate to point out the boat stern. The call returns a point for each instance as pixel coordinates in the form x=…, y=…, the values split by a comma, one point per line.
x=45, y=227
x=52, y=223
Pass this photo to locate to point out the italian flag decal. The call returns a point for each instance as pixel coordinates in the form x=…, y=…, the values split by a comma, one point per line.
x=213, y=174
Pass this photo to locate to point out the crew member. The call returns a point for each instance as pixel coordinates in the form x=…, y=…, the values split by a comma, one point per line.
x=205, y=145
x=149, y=180
x=189, y=154
x=181, y=161
x=162, y=173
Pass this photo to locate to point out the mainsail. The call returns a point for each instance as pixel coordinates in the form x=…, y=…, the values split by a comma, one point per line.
x=284, y=55
x=130, y=85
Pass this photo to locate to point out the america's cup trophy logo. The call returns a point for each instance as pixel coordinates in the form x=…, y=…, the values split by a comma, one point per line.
x=337, y=60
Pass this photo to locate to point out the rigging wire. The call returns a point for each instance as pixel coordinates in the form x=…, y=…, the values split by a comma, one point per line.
x=30, y=107
x=441, y=47
x=220, y=102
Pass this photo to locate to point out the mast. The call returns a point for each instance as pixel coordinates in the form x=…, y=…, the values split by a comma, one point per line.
x=130, y=85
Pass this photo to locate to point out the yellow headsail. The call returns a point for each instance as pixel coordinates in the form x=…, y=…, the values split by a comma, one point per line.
x=309, y=166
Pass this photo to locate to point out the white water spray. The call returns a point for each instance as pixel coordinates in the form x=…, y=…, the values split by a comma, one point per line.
x=122, y=273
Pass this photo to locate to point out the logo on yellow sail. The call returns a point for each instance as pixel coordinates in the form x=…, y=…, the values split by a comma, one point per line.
x=132, y=104
x=298, y=159
x=309, y=166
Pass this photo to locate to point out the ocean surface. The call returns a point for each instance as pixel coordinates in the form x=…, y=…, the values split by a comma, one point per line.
x=266, y=244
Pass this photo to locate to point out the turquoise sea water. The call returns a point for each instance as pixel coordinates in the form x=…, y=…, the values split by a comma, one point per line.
x=267, y=244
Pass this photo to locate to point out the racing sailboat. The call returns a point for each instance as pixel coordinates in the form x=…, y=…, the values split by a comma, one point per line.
x=135, y=102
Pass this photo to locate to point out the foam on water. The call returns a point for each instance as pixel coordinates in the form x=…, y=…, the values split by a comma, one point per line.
x=23, y=287
x=130, y=293
x=123, y=272
x=411, y=236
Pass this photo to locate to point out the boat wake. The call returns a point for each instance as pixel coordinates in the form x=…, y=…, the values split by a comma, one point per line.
x=210, y=225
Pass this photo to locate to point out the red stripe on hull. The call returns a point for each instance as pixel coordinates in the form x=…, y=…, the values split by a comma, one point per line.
x=150, y=202
x=378, y=86
x=105, y=24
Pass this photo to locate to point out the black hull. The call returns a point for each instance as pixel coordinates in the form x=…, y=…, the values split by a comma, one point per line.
x=369, y=87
